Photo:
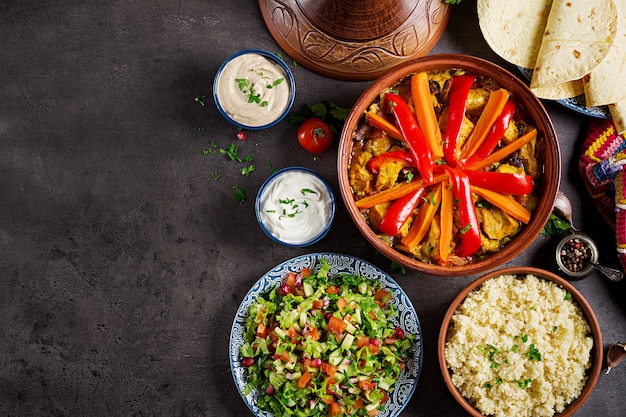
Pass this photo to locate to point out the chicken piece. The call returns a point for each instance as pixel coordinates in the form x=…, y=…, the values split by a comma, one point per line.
x=429, y=248
x=466, y=127
x=361, y=179
x=497, y=224
x=527, y=154
x=511, y=133
x=489, y=245
x=379, y=142
x=510, y=169
x=376, y=213
x=387, y=175
x=476, y=101
x=466, y=130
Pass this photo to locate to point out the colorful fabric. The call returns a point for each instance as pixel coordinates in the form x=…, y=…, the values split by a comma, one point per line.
x=602, y=159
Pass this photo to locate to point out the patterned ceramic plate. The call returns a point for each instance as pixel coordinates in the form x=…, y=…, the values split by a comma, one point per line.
x=575, y=103
x=407, y=319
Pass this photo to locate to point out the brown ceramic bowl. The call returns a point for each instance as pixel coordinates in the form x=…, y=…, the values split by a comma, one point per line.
x=596, y=353
x=547, y=188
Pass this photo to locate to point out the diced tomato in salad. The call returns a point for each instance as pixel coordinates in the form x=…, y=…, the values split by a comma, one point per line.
x=326, y=347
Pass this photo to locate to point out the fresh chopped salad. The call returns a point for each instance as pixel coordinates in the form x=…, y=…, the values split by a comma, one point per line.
x=322, y=345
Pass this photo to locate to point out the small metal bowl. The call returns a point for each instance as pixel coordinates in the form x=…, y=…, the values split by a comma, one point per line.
x=588, y=263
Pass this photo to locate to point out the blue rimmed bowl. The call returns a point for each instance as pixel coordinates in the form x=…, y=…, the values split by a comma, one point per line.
x=295, y=207
x=254, y=89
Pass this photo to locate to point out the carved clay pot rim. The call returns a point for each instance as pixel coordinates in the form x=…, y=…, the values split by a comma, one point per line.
x=354, y=60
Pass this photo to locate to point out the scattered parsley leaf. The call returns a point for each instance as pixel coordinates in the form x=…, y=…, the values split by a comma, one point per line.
x=271, y=167
x=247, y=170
x=240, y=194
x=397, y=268
x=326, y=110
x=232, y=152
x=200, y=100
x=568, y=296
x=555, y=226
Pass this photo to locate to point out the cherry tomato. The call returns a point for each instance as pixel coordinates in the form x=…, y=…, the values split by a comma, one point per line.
x=315, y=135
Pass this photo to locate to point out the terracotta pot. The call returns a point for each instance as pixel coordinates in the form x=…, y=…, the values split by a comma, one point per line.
x=593, y=372
x=355, y=39
x=548, y=188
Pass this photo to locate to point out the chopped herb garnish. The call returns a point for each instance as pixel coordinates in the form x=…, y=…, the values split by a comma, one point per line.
x=247, y=170
x=523, y=384
x=306, y=191
x=240, y=194
x=568, y=296
x=466, y=229
x=533, y=354
x=200, y=100
x=216, y=175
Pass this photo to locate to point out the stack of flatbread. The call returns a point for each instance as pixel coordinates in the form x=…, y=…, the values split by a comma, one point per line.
x=574, y=47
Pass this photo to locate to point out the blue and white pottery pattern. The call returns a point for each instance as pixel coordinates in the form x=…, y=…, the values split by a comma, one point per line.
x=407, y=319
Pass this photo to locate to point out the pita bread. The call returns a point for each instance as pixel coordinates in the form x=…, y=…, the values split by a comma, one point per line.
x=606, y=84
x=578, y=36
x=514, y=29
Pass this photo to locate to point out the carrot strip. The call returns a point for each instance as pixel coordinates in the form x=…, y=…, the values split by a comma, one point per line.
x=446, y=219
x=423, y=220
x=374, y=119
x=505, y=151
x=492, y=110
x=425, y=112
x=304, y=380
x=395, y=192
x=506, y=203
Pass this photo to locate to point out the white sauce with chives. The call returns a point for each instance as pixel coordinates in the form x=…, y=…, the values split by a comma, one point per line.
x=253, y=90
x=295, y=207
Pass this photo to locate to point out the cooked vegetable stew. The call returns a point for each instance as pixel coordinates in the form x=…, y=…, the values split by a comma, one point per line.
x=446, y=166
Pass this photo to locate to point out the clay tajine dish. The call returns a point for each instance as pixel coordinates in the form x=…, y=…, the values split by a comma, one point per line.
x=355, y=40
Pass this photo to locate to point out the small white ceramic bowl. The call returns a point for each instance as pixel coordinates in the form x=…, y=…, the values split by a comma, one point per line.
x=295, y=207
x=254, y=89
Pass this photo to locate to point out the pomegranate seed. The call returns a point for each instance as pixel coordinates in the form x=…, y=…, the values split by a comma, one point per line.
x=270, y=390
x=285, y=289
x=241, y=135
x=317, y=362
x=399, y=333
x=375, y=342
x=247, y=362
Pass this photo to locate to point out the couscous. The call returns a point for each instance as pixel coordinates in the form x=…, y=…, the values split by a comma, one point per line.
x=519, y=346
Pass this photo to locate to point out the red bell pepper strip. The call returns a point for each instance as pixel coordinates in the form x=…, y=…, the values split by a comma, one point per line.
x=399, y=212
x=468, y=221
x=496, y=133
x=400, y=156
x=459, y=90
x=501, y=182
x=412, y=134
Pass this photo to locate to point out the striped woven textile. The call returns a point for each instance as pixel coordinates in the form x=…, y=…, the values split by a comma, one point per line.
x=602, y=158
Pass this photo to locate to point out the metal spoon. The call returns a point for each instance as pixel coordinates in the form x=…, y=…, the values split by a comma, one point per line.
x=563, y=206
x=614, y=275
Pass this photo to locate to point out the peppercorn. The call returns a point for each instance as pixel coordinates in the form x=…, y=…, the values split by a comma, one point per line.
x=575, y=255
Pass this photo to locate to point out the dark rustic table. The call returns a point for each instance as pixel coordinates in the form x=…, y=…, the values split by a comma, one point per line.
x=123, y=259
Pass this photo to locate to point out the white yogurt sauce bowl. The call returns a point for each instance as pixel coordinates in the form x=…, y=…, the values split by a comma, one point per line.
x=295, y=207
x=254, y=89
